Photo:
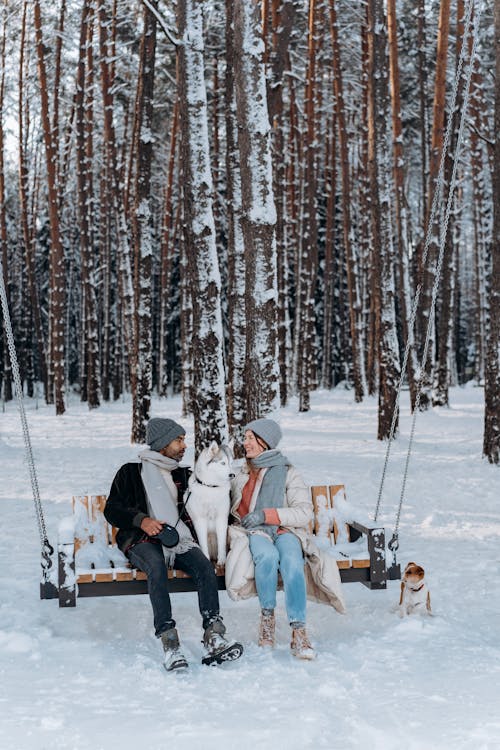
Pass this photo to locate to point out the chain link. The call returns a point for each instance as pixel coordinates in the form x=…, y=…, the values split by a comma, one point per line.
x=47, y=549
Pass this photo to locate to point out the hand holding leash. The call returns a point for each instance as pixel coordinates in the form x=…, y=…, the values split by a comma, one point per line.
x=256, y=518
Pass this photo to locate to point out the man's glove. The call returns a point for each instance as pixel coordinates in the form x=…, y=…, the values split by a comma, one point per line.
x=256, y=518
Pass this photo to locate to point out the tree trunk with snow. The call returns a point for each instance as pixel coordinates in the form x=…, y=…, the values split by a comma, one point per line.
x=307, y=266
x=347, y=199
x=26, y=219
x=124, y=315
x=258, y=212
x=400, y=202
x=283, y=17
x=57, y=289
x=491, y=441
x=381, y=183
x=141, y=370
x=167, y=249
x=6, y=380
x=83, y=108
x=445, y=318
x=427, y=270
x=208, y=391
x=235, y=246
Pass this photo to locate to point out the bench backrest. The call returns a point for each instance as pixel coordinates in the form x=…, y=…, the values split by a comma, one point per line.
x=91, y=526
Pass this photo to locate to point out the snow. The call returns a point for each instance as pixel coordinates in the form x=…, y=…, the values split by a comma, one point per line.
x=91, y=678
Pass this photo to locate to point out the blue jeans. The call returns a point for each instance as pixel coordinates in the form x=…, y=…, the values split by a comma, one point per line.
x=148, y=557
x=284, y=553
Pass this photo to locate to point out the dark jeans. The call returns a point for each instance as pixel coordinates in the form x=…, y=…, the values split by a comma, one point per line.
x=148, y=556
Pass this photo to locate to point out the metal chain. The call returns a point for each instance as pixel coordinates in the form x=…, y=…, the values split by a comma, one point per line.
x=393, y=544
x=47, y=549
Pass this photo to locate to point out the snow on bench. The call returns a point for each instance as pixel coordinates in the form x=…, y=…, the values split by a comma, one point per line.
x=90, y=563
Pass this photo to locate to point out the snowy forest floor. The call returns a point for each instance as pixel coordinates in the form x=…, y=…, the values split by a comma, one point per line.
x=91, y=678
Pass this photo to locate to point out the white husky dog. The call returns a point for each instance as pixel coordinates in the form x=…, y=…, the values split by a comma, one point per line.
x=208, y=499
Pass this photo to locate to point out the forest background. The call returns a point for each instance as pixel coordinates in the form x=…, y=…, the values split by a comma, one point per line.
x=239, y=201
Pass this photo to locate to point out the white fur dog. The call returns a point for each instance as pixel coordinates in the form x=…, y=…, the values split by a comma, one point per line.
x=208, y=499
x=415, y=597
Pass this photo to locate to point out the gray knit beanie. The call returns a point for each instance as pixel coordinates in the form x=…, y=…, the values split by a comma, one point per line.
x=267, y=429
x=160, y=432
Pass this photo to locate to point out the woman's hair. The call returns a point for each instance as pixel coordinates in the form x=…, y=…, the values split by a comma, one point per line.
x=260, y=442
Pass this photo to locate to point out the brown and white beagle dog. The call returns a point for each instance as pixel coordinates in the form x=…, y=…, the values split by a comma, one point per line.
x=415, y=597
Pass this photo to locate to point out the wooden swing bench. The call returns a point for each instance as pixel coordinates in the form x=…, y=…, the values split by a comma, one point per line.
x=90, y=563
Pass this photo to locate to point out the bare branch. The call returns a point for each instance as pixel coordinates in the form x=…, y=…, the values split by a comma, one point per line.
x=161, y=21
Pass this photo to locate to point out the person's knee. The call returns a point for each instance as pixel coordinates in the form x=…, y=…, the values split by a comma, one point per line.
x=266, y=559
x=202, y=570
x=154, y=567
x=292, y=565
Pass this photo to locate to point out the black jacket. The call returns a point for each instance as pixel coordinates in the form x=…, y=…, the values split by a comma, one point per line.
x=127, y=506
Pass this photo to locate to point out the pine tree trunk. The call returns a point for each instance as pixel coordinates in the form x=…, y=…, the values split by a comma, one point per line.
x=400, y=202
x=141, y=371
x=440, y=395
x=83, y=106
x=27, y=227
x=209, y=401
x=5, y=369
x=380, y=182
x=57, y=266
x=481, y=207
x=167, y=249
x=124, y=270
x=427, y=273
x=491, y=441
x=258, y=212
x=283, y=15
x=235, y=246
x=308, y=250
x=347, y=199
x=329, y=263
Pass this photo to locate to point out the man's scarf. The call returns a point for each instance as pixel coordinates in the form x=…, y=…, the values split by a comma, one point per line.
x=161, y=495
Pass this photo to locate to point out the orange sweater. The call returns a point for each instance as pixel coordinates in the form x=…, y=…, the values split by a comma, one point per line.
x=271, y=514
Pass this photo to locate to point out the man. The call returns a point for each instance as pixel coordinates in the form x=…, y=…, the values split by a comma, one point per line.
x=143, y=497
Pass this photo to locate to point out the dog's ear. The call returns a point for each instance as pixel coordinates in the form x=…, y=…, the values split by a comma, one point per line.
x=230, y=445
x=213, y=448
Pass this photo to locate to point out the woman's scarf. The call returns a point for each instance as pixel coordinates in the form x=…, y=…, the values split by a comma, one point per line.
x=273, y=488
x=161, y=495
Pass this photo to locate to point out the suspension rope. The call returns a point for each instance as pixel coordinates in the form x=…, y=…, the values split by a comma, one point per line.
x=46, y=547
x=393, y=544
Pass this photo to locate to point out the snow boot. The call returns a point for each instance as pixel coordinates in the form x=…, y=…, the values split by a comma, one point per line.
x=174, y=658
x=267, y=628
x=218, y=648
x=301, y=645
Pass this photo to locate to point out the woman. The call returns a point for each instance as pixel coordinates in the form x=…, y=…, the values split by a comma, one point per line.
x=274, y=510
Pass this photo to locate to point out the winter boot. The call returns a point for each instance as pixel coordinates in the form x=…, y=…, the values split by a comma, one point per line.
x=174, y=658
x=218, y=648
x=267, y=628
x=301, y=645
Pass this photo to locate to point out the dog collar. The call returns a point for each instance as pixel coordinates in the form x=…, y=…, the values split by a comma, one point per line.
x=419, y=588
x=204, y=483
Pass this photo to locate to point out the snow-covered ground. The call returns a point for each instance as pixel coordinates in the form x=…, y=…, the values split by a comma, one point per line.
x=91, y=678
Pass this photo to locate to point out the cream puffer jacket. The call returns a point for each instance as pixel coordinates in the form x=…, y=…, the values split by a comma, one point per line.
x=322, y=574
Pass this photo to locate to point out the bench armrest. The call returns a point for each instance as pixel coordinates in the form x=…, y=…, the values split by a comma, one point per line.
x=376, y=549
